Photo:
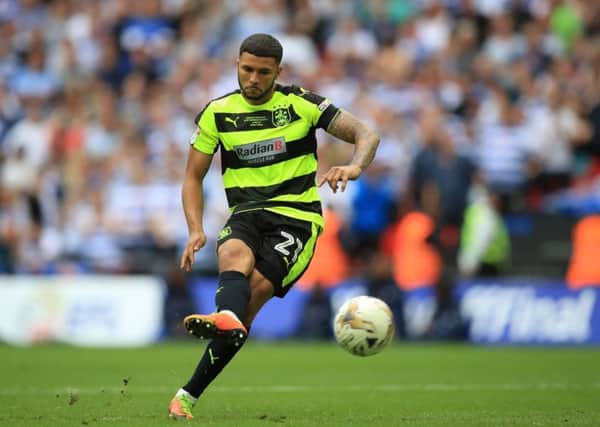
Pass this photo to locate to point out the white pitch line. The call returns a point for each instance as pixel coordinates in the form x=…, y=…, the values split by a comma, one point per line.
x=359, y=388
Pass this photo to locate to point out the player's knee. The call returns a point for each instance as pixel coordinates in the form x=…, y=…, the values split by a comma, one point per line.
x=235, y=255
x=231, y=252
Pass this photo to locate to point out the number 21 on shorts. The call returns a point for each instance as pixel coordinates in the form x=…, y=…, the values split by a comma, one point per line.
x=289, y=241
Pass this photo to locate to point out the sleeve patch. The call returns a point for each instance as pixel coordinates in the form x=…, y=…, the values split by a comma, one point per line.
x=323, y=105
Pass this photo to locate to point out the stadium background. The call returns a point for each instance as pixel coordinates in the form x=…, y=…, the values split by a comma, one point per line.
x=97, y=101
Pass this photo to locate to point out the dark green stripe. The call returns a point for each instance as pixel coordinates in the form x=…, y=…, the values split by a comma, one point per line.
x=298, y=185
x=256, y=120
x=303, y=206
x=297, y=148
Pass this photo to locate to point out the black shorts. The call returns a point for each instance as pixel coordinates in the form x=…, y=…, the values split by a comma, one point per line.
x=282, y=246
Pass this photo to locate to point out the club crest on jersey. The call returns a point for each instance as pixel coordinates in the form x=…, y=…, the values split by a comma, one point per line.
x=281, y=116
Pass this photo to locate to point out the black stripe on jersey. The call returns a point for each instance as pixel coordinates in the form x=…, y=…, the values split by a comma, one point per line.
x=311, y=97
x=297, y=185
x=197, y=118
x=297, y=148
x=328, y=116
x=303, y=206
x=330, y=112
x=257, y=120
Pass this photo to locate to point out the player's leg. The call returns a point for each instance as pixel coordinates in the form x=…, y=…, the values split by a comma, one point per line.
x=236, y=262
x=220, y=350
x=283, y=251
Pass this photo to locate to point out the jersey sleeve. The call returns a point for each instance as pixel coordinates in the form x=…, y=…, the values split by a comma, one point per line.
x=206, y=137
x=320, y=110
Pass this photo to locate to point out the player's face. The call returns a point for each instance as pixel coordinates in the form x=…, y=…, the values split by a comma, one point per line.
x=256, y=77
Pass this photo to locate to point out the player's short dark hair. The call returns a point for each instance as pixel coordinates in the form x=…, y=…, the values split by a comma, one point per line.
x=264, y=45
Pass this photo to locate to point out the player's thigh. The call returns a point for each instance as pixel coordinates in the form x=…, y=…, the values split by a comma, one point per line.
x=238, y=243
x=234, y=254
x=286, y=251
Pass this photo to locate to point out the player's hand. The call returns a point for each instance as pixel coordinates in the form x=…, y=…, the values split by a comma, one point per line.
x=196, y=241
x=338, y=174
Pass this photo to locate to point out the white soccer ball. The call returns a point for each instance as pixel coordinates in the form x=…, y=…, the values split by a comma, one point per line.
x=364, y=325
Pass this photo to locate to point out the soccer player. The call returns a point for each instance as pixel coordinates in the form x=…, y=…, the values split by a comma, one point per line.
x=266, y=134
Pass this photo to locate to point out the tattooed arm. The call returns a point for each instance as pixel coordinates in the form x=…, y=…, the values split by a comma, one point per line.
x=348, y=128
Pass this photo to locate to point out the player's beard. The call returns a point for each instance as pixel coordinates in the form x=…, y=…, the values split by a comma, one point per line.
x=260, y=95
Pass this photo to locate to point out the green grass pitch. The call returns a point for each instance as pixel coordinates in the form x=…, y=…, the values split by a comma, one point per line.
x=304, y=384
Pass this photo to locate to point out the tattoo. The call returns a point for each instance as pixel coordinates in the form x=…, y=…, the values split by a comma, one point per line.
x=344, y=126
x=348, y=128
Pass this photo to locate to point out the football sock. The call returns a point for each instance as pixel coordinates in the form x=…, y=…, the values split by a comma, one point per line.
x=217, y=354
x=233, y=293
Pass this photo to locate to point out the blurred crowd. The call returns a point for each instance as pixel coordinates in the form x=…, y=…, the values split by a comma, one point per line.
x=495, y=100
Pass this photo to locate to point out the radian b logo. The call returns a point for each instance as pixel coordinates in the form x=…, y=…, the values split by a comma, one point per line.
x=261, y=151
x=281, y=116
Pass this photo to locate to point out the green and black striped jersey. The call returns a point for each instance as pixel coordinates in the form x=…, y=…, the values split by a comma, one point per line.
x=268, y=151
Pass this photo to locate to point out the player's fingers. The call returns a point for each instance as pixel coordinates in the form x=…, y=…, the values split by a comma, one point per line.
x=184, y=262
x=322, y=180
x=326, y=177
x=339, y=176
x=187, y=259
x=332, y=184
x=344, y=182
x=189, y=262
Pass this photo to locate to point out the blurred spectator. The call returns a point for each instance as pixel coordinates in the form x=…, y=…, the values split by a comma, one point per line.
x=373, y=208
x=433, y=27
x=351, y=43
x=506, y=154
x=438, y=162
x=33, y=78
x=566, y=21
x=584, y=269
x=503, y=45
x=257, y=16
x=559, y=129
x=330, y=264
x=27, y=146
x=417, y=262
x=300, y=51
x=484, y=244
